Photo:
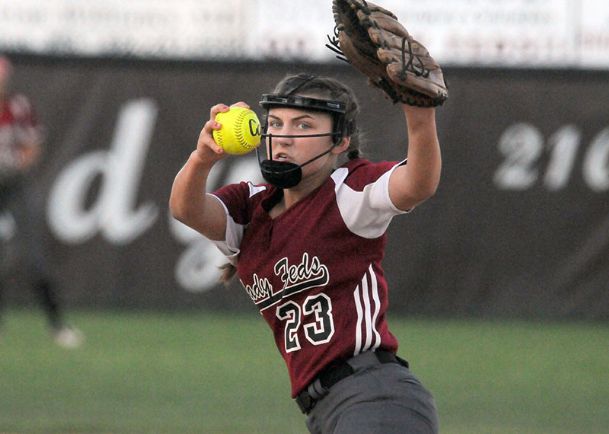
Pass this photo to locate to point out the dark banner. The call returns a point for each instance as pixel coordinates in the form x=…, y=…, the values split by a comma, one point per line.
x=519, y=226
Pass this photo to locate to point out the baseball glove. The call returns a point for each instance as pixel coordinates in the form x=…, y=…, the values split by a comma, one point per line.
x=372, y=39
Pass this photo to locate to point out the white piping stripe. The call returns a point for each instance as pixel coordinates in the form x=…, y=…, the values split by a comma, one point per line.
x=377, y=307
x=358, y=327
x=367, y=318
x=366, y=298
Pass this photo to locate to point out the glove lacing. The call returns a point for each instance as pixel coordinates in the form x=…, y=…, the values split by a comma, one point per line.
x=418, y=70
x=334, y=45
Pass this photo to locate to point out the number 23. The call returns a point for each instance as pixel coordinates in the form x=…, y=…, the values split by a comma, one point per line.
x=317, y=332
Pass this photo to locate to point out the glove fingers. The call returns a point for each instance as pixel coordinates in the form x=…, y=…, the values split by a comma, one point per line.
x=391, y=43
x=375, y=16
x=362, y=57
x=420, y=71
x=384, y=23
x=432, y=85
x=369, y=8
x=355, y=47
x=415, y=62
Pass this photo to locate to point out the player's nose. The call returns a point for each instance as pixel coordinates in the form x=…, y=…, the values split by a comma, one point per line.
x=283, y=139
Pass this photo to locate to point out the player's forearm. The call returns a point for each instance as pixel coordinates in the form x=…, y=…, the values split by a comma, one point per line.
x=418, y=180
x=188, y=199
x=424, y=155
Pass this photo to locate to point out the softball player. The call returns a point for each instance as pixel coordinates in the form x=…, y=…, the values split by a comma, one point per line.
x=307, y=247
x=20, y=147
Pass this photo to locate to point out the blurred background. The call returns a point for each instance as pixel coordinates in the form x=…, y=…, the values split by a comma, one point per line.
x=518, y=230
x=519, y=226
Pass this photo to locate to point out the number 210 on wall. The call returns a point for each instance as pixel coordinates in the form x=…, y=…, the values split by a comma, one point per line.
x=522, y=146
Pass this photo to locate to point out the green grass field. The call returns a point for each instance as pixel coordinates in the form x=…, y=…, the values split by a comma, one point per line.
x=220, y=373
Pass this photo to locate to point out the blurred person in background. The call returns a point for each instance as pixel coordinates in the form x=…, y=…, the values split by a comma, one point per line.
x=20, y=150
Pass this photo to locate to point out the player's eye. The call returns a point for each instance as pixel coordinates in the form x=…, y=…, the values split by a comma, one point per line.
x=273, y=123
x=304, y=125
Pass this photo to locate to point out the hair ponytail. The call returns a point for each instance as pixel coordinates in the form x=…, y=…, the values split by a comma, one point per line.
x=228, y=272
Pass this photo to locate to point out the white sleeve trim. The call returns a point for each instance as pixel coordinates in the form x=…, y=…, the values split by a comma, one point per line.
x=366, y=213
x=255, y=189
x=233, y=236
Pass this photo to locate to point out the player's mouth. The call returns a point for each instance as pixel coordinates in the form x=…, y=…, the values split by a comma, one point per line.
x=281, y=157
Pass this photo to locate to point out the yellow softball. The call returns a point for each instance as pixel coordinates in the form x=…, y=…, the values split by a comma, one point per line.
x=240, y=132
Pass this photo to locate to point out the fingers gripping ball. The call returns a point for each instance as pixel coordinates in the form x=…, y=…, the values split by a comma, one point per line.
x=240, y=132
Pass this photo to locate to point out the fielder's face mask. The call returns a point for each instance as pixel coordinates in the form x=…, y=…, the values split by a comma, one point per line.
x=283, y=174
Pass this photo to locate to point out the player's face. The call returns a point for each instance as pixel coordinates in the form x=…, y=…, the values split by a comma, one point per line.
x=290, y=121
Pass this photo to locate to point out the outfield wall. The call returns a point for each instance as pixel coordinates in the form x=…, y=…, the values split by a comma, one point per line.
x=518, y=228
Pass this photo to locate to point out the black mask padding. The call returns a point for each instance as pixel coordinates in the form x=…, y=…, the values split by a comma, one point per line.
x=281, y=174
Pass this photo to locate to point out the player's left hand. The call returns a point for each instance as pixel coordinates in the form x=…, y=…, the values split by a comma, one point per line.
x=372, y=39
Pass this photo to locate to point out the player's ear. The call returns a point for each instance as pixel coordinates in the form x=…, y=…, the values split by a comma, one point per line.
x=342, y=146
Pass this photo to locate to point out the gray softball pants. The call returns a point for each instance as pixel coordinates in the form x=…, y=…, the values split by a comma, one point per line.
x=376, y=399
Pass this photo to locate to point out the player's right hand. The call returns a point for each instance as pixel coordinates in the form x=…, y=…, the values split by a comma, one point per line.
x=207, y=148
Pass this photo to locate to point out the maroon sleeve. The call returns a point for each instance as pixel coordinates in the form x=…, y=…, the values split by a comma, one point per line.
x=236, y=199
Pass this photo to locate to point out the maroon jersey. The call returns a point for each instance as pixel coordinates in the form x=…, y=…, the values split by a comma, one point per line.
x=315, y=271
x=18, y=128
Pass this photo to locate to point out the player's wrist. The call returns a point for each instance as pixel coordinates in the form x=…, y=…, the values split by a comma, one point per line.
x=417, y=116
x=201, y=160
